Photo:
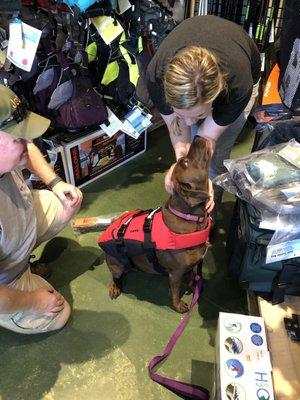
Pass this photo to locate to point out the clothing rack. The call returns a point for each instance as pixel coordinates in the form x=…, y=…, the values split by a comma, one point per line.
x=262, y=19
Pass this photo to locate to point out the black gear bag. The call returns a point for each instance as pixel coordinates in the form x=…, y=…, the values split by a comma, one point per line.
x=247, y=247
x=247, y=242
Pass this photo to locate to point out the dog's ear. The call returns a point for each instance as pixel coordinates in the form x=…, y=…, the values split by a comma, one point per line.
x=190, y=192
x=200, y=151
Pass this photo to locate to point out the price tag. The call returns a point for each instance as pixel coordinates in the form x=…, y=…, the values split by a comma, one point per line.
x=15, y=33
x=23, y=43
x=124, y=5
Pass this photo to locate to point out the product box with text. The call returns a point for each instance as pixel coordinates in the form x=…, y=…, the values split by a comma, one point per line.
x=54, y=154
x=243, y=366
x=93, y=155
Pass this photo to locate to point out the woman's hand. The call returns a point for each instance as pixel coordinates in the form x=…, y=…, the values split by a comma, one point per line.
x=210, y=202
x=168, y=182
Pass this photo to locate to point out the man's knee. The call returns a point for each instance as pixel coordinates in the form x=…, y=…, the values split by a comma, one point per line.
x=52, y=215
x=29, y=324
x=61, y=319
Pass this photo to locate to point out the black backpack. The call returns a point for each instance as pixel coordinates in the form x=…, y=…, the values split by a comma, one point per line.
x=247, y=242
x=247, y=247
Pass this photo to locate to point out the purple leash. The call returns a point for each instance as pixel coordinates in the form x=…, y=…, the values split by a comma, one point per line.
x=187, y=389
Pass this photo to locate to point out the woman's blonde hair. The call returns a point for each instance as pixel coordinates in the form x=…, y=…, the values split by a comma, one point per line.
x=193, y=76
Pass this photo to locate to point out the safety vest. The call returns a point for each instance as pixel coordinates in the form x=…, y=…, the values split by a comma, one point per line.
x=137, y=232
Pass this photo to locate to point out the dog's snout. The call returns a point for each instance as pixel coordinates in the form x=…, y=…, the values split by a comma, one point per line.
x=200, y=151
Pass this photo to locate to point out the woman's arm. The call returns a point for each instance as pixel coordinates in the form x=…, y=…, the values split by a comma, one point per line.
x=210, y=130
x=180, y=142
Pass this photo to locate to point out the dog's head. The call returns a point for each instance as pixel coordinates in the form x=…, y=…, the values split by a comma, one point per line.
x=190, y=174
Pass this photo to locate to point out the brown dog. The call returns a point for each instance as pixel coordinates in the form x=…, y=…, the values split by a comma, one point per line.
x=183, y=213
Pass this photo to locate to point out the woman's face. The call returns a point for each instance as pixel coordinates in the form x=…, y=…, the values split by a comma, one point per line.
x=192, y=115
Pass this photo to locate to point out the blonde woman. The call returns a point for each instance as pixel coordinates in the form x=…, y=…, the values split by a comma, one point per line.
x=204, y=80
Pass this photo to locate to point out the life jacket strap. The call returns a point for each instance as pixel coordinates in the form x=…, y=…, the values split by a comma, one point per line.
x=149, y=245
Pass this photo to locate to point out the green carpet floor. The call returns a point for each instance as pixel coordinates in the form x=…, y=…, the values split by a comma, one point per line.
x=104, y=350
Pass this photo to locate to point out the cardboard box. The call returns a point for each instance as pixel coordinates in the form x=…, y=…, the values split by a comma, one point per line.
x=94, y=155
x=243, y=366
x=285, y=353
x=55, y=155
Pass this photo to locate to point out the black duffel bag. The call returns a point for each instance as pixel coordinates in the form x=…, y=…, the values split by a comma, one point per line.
x=247, y=246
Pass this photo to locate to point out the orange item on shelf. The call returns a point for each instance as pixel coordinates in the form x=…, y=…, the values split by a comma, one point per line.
x=270, y=94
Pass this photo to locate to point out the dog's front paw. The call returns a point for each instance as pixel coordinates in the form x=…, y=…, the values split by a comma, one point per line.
x=114, y=291
x=181, y=307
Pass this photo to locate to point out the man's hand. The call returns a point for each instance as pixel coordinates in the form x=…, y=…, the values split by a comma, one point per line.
x=168, y=183
x=47, y=301
x=210, y=202
x=68, y=193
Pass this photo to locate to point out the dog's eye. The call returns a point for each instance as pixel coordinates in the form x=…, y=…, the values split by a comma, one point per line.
x=185, y=185
x=183, y=162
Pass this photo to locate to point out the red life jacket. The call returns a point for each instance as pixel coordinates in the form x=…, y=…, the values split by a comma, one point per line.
x=135, y=232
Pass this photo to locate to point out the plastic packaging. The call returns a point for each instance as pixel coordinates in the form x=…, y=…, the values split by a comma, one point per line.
x=269, y=178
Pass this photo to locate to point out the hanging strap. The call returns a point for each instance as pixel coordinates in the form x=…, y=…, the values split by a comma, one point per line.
x=187, y=389
x=149, y=246
x=122, y=230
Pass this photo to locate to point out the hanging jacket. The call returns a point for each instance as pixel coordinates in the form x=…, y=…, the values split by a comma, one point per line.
x=136, y=232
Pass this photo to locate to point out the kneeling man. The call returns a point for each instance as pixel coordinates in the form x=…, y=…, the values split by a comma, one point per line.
x=28, y=303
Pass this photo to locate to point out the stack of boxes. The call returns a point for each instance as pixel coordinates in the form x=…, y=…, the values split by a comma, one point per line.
x=85, y=159
x=93, y=155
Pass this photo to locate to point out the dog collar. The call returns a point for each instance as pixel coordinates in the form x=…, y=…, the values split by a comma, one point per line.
x=187, y=217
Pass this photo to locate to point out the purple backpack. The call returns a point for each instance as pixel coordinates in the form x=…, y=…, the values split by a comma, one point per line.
x=48, y=79
x=78, y=105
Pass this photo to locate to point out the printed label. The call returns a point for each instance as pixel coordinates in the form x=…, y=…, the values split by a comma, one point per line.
x=283, y=251
x=233, y=345
x=232, y=325
x=291, y=154
x=235, y=392
x=256, y=328
x=257, y=340
x=234, y=368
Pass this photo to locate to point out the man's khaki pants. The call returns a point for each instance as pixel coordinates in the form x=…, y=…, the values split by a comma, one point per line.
x=52, y=217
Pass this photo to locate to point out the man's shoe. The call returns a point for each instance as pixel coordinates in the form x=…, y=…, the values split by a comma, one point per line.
x=41, y=269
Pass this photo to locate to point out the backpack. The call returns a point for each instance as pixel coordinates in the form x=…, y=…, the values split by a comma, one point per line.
x=247, y=243
x=75, y=103
x=246, y=248
x=276, y=132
